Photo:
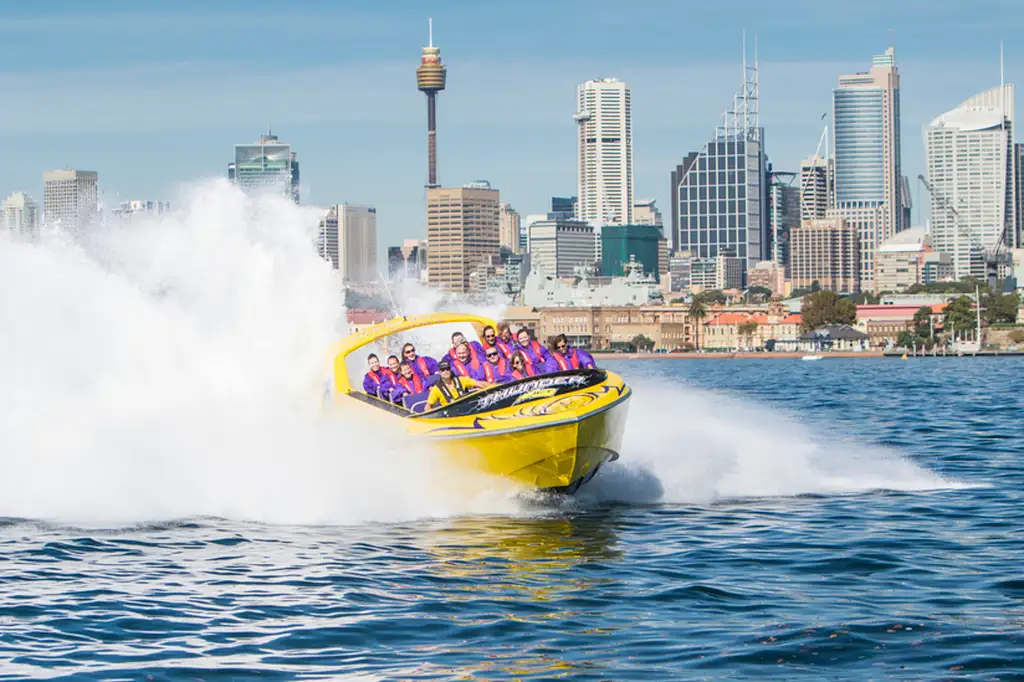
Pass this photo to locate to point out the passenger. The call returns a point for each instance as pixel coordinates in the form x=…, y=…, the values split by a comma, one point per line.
x=409, y=383
x=392, y=369
x=474, y=347
x=534, y=353
x=570, y=358
x=504, y=342
x=376, y=382
x=423, y=365
x=450, y=387
x=465, y=363
x=496, y=369
x=520, y=367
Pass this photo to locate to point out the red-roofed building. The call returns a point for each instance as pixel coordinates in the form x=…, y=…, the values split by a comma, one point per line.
x=358, y=319
x=723, y=330
x=883, y=323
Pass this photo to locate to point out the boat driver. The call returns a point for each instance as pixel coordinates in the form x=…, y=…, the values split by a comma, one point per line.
x=423, y=365
x=377, y=382
x=450, y=387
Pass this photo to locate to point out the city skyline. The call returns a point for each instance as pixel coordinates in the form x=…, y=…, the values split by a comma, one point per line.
x=140, y=93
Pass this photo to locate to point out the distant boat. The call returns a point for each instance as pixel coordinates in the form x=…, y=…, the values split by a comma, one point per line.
x=811, y=357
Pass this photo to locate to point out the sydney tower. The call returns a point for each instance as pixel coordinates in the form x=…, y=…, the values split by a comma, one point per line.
x=430, y=76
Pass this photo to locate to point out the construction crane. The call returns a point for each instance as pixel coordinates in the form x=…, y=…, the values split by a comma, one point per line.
x=993, y=256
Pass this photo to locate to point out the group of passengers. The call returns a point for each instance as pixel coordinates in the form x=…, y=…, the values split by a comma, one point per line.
x=471, y=365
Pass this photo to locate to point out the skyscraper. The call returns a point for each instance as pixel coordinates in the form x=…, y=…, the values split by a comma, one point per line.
x=348, y=238
x=722, y=191
x=267, y=163
x=784, y=215
x=825, y=251
x=70, y=198
x=971, y=167
x=462, y=233
x=21, y=215
x=430, y=80
x=646, y=213
x=868, y=172
x=565, y=207
x=605, y=144
x=817, y=187
x=560, y=245
x=509, y=227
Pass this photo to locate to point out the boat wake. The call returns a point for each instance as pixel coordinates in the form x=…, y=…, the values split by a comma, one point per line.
x=685, y=445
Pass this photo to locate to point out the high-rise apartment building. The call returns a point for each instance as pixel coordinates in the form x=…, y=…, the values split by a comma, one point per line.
x=720, y=195
x=559, y=246
x=969, y=152
x=70, y=198
x=817, y=187
x=509, y=228
x=462, y=232
x=868, y=171
x=605, y=144
x=348, y=238
x=1018, y=170
x=21, y=215
x=267, y=163
x=826, y=251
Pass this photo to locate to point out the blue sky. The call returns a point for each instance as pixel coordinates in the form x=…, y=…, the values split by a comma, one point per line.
x=153, y=95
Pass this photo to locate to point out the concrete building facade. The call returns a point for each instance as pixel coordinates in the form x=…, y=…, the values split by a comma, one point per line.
x=604, y=120
x=969, y=154
x=509, y=228
x=826, y=251
x=70, y=198
x=348, y=238
x=462, y=232
x=21, y=215
x=559, y=247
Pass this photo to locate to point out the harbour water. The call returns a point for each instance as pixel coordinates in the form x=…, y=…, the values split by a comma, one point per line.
x=841, y=520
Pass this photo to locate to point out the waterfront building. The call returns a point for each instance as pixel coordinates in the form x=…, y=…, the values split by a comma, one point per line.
x=817, y=187
x=21, y=215
x=834, y=337
x=462, y=231
x=720, y=196
x=70, y=198
x=509, y=228
x=970, y=164
x=825, y=251
x=348, y=238
x=645, y=212
x=752, y=330
x=621, y=244
x=868, y=170
x=360, y=319
x=884, y=322
x=408, y=261
x=267, y=163
x=558, y=247
x=607, y=327
x=605, y=152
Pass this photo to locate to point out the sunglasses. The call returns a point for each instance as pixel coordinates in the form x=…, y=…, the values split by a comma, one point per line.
x=562, y=345
x=409, y=351
x=492, y=355
x=445, y=369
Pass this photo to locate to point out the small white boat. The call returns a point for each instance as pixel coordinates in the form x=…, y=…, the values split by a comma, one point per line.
x=811, y=357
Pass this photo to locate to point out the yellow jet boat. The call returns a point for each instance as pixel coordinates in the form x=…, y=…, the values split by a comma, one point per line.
x=552, y=431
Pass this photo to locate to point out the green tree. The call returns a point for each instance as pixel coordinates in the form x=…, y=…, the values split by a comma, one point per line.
x=1017, y=336
x=959, y=314
x=922, y=321
x=826, y=307
x=711, y=297
x=1001, y=308
x=698, y=311
x=906, y=340
x=747, y=330
x=642, y=343
x=755, y=292
x=815, y=286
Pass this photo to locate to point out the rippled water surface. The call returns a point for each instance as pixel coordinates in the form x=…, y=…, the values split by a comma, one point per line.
x=775, y=519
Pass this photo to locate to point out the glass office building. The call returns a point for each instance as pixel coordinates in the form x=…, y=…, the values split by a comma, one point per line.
x=267, y=163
